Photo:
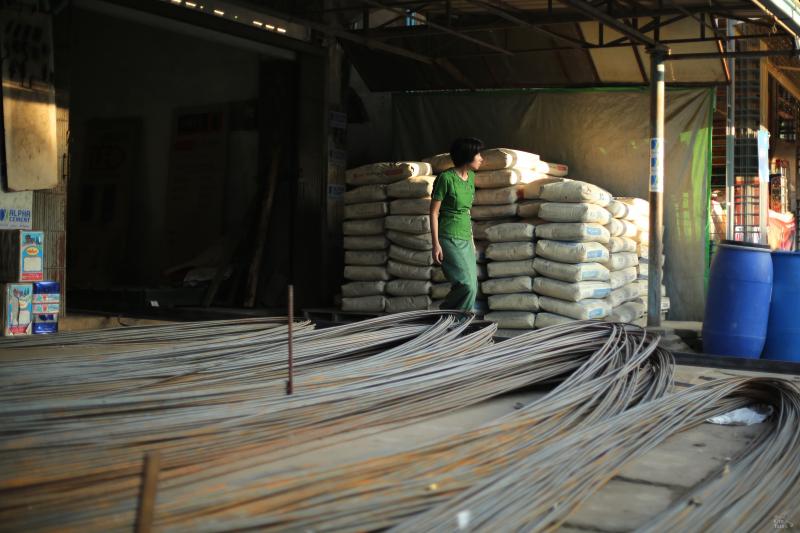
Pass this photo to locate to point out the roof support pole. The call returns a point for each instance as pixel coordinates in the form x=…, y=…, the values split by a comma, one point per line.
x=655, y=271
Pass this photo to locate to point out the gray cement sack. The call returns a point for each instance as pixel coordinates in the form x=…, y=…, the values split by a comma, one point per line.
x=408, y=287
x=366, y=273
x=573, y=292
x=410, y=257
x=404, y=271
x=510, y=333
x=365, y=193
x=500, y=158
x=571, y=272
x=437, y=275
x=510, y=251
x=496, y=179
x=364, y=304
x=572, y=252
x=368, y=210
x=564, y=212
x=479, y=227
x=507, y=285
x=356, y=289
x=529, y=208
x=620, y=278
x=410, y=206
x=491, y=212
x=507, y=269
x=365, y=257
x=421, y=241
x=505, y=195
x=583, y=310
x=366, y=242
x=533, y=189
x=621, y=261
x=626, y=313
x=436, y=305
x=439, y=291
x=514, y=302
x=544, y=320
x=511, y=319
x=403, y=304
x=384, y=173
x=409, y=223
x=573, y=231
x=575, y=191
x=418, y=187
x=617, y=245
x=626, y=293
x=370, y=226
x=510, y=232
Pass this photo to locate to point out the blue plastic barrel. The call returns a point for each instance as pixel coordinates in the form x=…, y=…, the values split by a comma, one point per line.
x=783, y=333
x=739, y=294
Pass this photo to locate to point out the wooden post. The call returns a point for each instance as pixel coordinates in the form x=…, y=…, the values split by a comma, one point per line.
x=147, y=497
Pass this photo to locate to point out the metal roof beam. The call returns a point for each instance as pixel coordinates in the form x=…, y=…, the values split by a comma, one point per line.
x=602, y=16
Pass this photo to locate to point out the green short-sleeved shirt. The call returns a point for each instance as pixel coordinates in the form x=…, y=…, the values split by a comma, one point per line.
x=456, y=196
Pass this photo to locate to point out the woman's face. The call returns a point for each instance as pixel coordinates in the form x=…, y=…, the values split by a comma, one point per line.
x=476, y=163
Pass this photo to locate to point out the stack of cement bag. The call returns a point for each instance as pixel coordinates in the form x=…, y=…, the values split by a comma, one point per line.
x=623, y=246
x=510, y=267
x=365, y=243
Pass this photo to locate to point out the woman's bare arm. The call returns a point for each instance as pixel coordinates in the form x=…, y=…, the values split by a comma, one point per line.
x=436, y=252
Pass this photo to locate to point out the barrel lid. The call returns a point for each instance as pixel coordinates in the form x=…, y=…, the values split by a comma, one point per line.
x=742, y=244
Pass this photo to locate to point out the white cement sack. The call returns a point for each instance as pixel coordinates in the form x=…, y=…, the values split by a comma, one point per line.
x=366, y=273
x=495, y=179
x=370, y=226
x=620, y=278
x=365, y=193
x=410, y=206
x=562, y=212
x=479, y=227
x=510, y=232
x=410, y=257
x=364, y=304
x=439, y=291
x=500, y=158
x=571, y=272
x=617, y=209
x=511, y=319
x=621, y=261
x=575, y=191
x=365, y=257
x=553, y=169
x=573, y=231
x=573, y=292
x=622, y=228
x=437, y=275
x=514, y=302
x=356, y=289
x=506, y=195
x=506, y=269
x=572, y=252
x=643, y=270
x=482, y=273
x=421, y=241
x=584, y=310
x=491, y=212
x=510, y=251
x=533, y=189
x=643, y=237
x=480, y=250
x=408, y=287
x=368, y=210
x=439, y=162
x=409, y=223
x=507, y=285
x=626, y=313
x=366, y=242
x=544, y=320
x=384, y=173
x=642, y=249
x=621, y=244
x=403, y=304
x=529, y=208
x=416, y=187
x=636, y=207
x=624, y=294
x=404, y=271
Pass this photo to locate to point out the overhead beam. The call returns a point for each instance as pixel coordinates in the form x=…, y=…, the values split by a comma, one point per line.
x=733, y=55
x=621, y=27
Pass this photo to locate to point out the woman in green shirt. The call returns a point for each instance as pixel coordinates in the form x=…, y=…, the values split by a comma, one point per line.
x=451, y=225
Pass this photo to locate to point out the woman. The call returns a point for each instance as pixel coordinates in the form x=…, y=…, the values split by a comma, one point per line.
x=451, y=225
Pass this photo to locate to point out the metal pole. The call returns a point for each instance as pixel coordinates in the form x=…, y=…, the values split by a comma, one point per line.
x=730, y=136
x=290, y=381
x=656, y=186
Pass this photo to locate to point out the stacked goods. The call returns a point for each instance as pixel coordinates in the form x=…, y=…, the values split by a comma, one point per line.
x=511, y=272
x=624, y=298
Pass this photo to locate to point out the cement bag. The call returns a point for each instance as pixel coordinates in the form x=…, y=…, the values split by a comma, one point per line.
x=364, y=304
x=626, y=313
x=490, y=212
x=576, y=192
x=370, y=226
x=366, y=273
x=384, y=173
x=404, y=271
x=624, y=294
x=355, y=289
x=500, y=158
x=583, y=310
x=417, y=187
x=366, y=242
x=495, y=179
x=437, y=275
x=514, y=302
x=408, y=287
x=636, y=207
x=410, y=257
x=507, y=285
x=643, y=237
x=533, y=189
x=573, y=292
x=535, y=221
x=510, y=251
x=529, y=208
x=436, y=305
x=621, y=228
x=479, y=227
x=620, y=278
x=482, y=273
x=409, y=223
x=642, y=249
x=403, y=304
x=571, y=272
x=439, y=162
x=573, y=231
x=559, y=212
x=553, y=169
x=365, y=193
x=621, y=261
x=369, y=210
x=480, y=250
x=421, y=241
x=643, y=270
x=509, y=333
x=617, y=209
x=410, y=206
x=511, y=319
x=544, y=320
x=506, y=195
x=507, y=269
x=439, y=291
x=510, y=232
x=572, y=252
x=616, y=245
x=365, y=257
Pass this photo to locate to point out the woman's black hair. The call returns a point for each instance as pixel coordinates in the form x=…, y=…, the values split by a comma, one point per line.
x=464, y=150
